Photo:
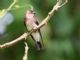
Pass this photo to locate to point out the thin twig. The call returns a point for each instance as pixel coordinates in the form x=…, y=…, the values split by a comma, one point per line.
x=25, y=57
x=9, y=8
x=4, y=11
x=57, y=6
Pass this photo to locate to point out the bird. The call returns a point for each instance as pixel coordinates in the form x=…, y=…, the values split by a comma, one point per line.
x=31, y=21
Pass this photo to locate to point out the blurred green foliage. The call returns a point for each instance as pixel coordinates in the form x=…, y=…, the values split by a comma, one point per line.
x=61, y=36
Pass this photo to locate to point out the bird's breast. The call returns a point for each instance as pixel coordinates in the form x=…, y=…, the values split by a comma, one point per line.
x=29, y=24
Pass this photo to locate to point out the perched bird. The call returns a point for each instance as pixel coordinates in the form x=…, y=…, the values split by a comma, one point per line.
x=31, y=22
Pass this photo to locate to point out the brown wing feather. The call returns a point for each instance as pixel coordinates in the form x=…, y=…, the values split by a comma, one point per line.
x=24, y=21
x=39, y=31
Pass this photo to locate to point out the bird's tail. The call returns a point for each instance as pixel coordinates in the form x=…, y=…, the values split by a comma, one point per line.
x=39, y=46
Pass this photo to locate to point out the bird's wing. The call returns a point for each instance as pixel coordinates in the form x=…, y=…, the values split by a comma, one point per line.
x=39, y=30
x=24, y=21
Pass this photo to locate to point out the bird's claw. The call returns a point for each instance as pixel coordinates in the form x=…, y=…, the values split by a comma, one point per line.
x=35, y=27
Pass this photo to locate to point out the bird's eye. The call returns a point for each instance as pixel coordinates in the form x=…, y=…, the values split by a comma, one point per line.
x=31, y=11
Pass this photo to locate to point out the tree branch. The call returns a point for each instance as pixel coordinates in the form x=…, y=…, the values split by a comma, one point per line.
x=57, y=6
x=26, y=52
x=4, y=11
x=10, y=7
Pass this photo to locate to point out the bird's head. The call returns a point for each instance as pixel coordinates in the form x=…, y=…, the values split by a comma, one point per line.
x=30, y=13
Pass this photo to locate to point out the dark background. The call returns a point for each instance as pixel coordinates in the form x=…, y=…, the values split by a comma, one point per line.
x=61, y=35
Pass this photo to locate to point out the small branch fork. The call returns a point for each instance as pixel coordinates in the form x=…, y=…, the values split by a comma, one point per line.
x=4, y=11
x=56, y=7
x=10, y=7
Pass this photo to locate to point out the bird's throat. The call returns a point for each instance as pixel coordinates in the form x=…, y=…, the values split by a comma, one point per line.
x=29, y=15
